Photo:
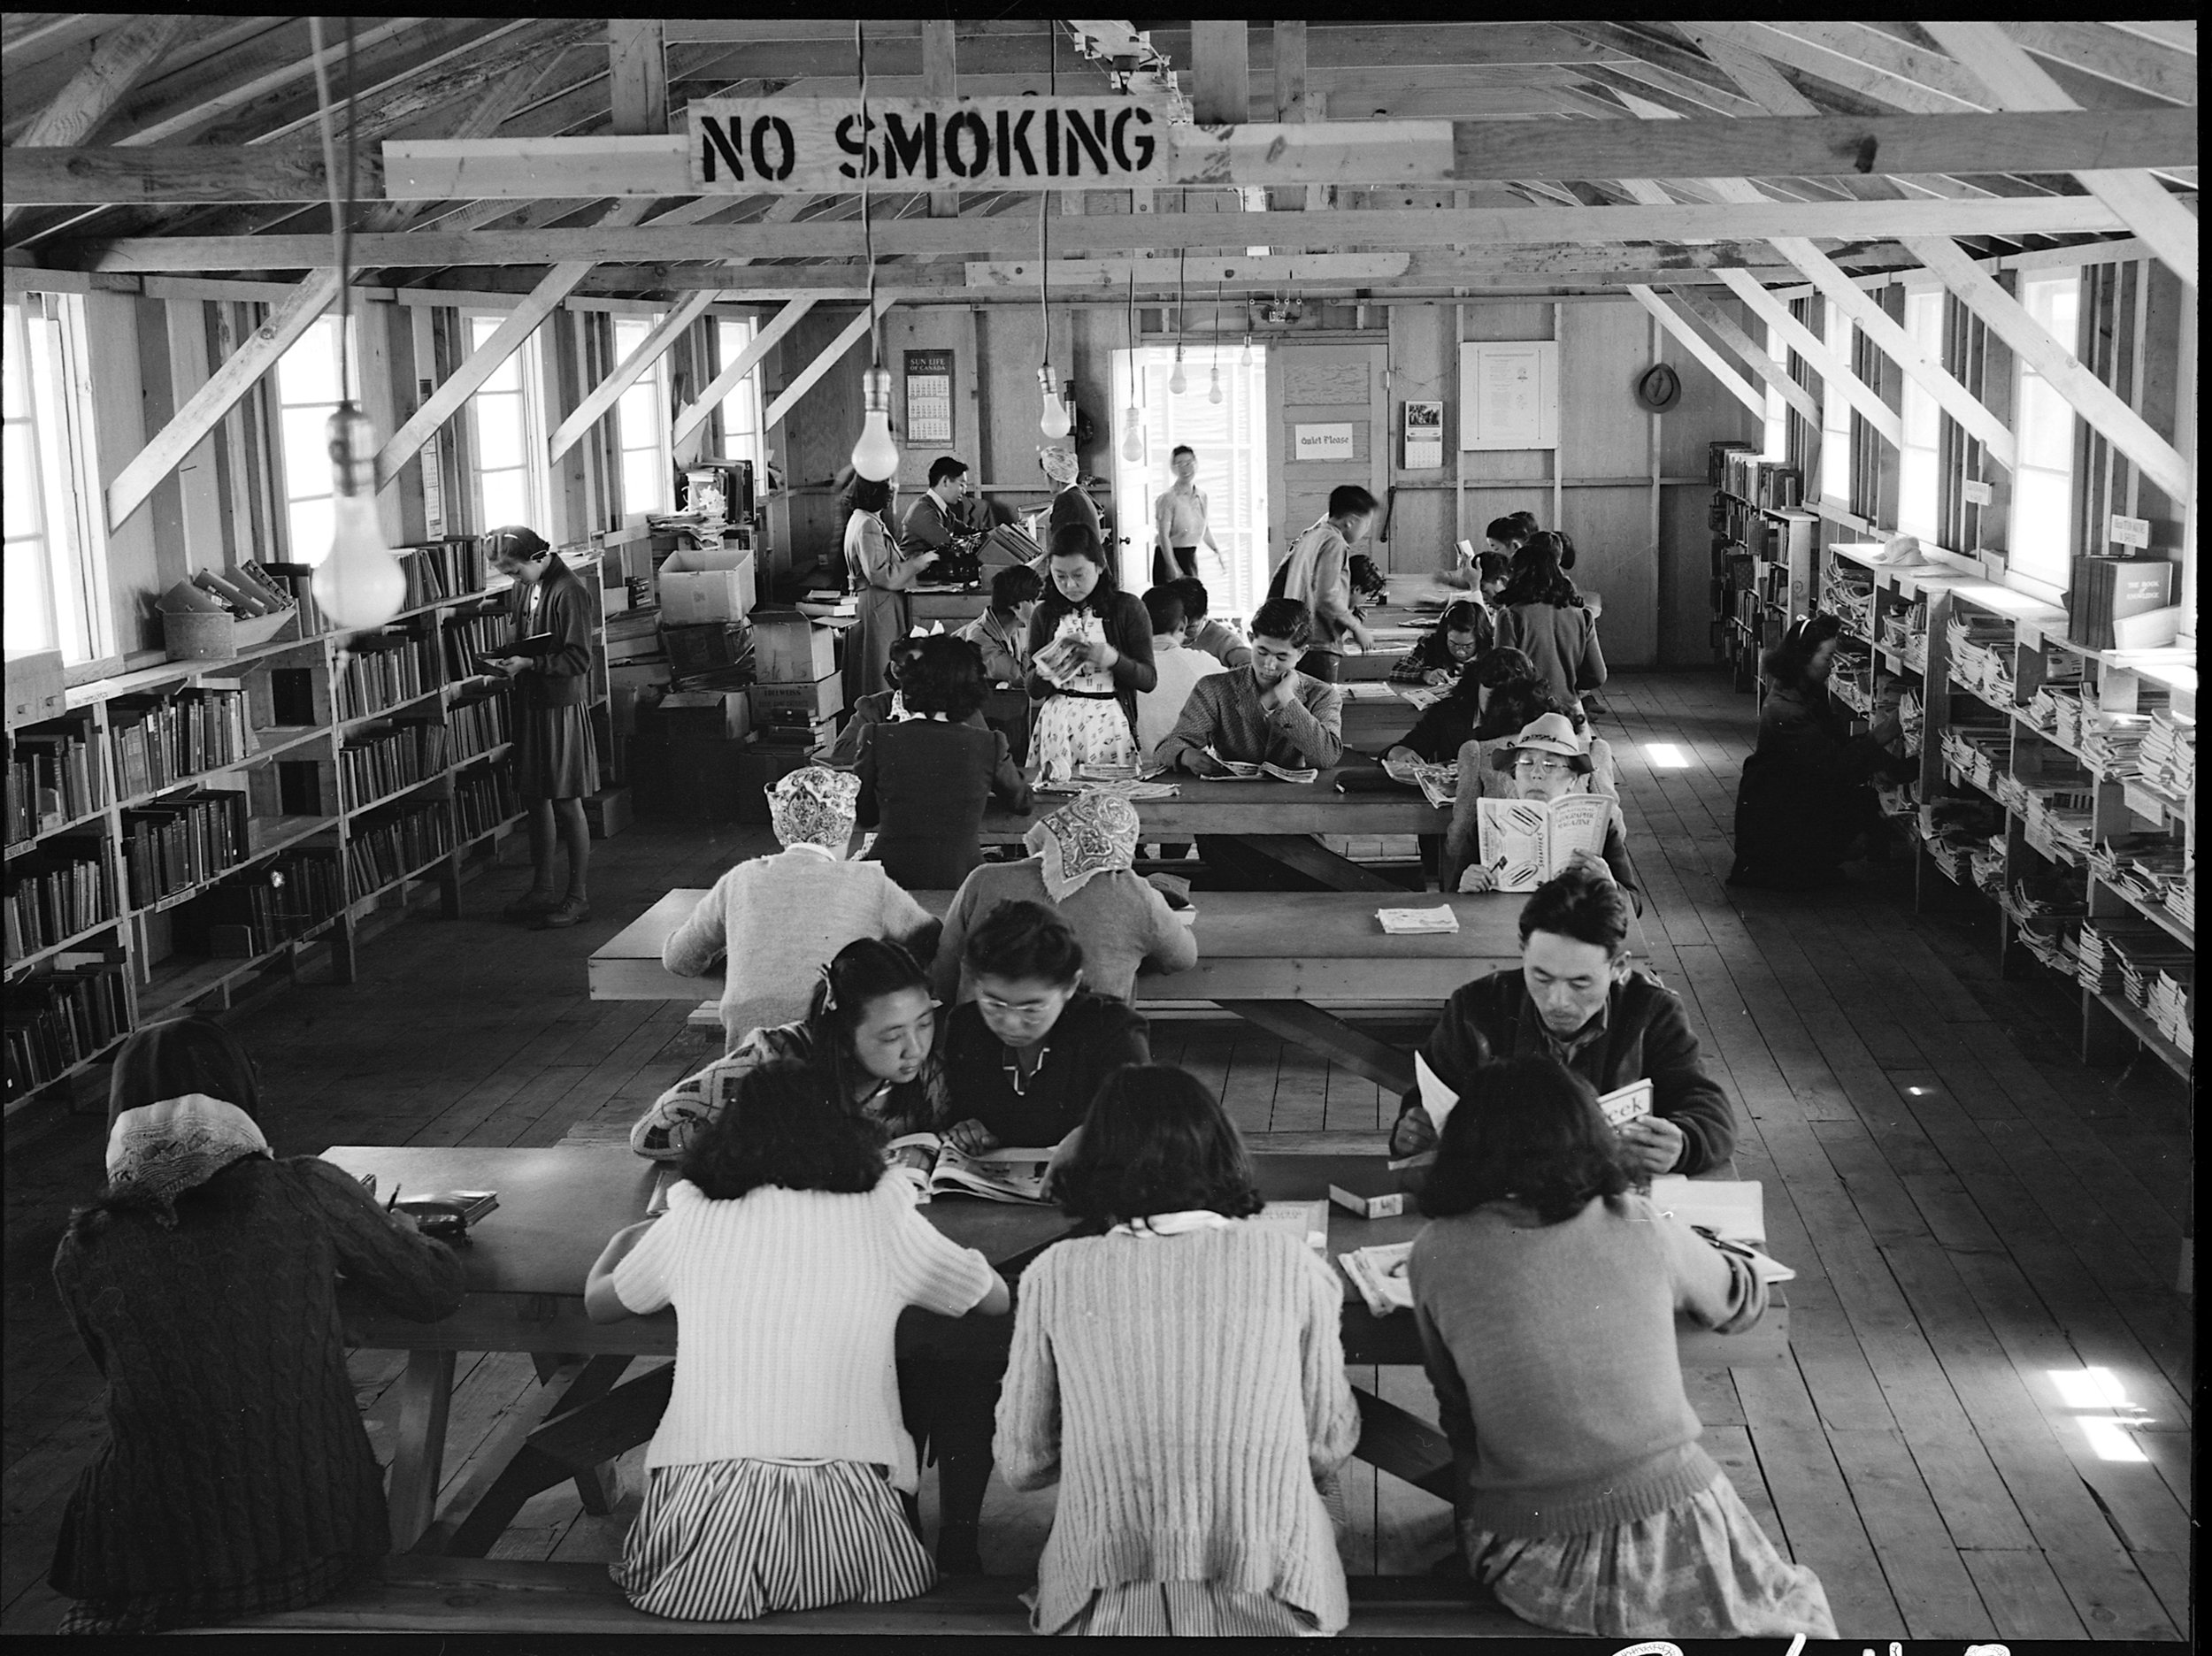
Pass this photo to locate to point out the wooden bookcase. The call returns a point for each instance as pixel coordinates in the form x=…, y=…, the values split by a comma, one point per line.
x=349, y=835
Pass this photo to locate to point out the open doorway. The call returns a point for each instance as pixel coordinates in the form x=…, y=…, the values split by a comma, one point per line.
x=1230, y=440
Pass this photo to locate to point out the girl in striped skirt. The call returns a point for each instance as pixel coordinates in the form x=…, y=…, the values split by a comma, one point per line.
x=788, y=1251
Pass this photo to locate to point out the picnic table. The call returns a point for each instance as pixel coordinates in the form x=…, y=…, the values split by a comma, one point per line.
x=525, y=1265
x=1278, y=961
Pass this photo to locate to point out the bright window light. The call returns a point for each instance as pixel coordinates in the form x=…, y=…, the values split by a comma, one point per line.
x=2089, y=1388
x=1666, y=756
x=2111, y=1441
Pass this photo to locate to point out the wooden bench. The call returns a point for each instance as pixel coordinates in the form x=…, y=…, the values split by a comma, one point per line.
x=442, y=1595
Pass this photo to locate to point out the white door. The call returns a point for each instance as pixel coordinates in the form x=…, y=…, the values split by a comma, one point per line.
x=1328, y=419
x=1231, y=439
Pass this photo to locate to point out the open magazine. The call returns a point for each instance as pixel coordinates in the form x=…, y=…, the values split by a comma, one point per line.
x=937, y=1169
x=1245, y=770
x=1526, y=842
x=1438, y=782
x=1630, y=1101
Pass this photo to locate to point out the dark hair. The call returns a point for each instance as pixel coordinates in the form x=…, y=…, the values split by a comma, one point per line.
x=1579, y=904
x=1164, y=605
x=1020, y=939
x=863, y=494
x=945, y=676
x=902, y=650
x=1492, y=566
x=776, y=1128
x=181, y=1055
x=1192, y=591
x=1526, y=520
x=1156, y=1140
x=857, y=976
x=1182, y=449
x=1076, y=540
x=1509, y=531
x=1566, y=549
x=1785, y=665
x=1518, y=693
x=1529, y=1129
x=946, y=466
x=1348, y=500
x=1015, y=585
x=1537, y=576
x=1462, y=615
x=1285, y=618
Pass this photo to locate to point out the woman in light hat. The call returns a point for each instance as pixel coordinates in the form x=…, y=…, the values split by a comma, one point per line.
x=1547, y=759
x=792, y=911
x=1078, y=865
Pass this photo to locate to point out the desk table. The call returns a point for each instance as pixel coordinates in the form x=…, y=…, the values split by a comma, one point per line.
x=525, y=1266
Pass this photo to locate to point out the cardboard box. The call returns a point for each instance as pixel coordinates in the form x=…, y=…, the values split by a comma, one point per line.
x=714, y=584
x=608, y=811
x=613, y=600
x=694, y=651
x=789, y=648
x=35, y=687
x=1370, y=1192
x=798, y=703
x=703, y=713
x=797, y=738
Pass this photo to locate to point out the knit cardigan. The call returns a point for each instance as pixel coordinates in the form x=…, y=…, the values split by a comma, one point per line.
x=1552, y=1352
x=1185, y=1392
x=234, y=1452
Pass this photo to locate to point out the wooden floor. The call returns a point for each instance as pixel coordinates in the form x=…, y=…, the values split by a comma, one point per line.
x=1976, y=1219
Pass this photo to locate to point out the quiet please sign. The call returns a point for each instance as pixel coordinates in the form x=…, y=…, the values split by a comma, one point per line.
x=789, y=146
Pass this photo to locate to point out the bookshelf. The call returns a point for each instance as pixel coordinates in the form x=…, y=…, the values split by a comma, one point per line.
x=184, y=829
x=2055, y=782
x=1763, y=547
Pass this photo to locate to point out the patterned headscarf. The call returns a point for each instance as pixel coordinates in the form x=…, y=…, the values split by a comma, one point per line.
x=158, y=1151
x=1059, y=463
x=1093, y=834
x=815, y=807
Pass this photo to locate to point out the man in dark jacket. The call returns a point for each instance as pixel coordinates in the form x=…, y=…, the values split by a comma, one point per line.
x=1577, y=998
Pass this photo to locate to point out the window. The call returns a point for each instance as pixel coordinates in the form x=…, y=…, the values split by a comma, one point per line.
x=507, y=425
x=1835, y=417
x=1774, y=446
x=642, y=423
x=307, y=385
x=1922, y=419
x=2043, y=483
x=56, y=558
x=741, y=434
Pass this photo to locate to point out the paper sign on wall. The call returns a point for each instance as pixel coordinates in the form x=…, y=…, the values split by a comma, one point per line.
x=1509, y=394
x=929, y=398
x=1322, y=442
x=1425, y=435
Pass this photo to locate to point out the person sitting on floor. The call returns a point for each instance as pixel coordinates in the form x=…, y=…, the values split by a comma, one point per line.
x=1269, y=711
x=1080, y=865
x=1000, y=633
x=788, y=1251
x=1217, y=638
x=1577, y=998
x=1461, y=633
x=232, y=1478
x=868, y=1037
x=1805, y=804
x=1179, y=667
x=1547, y=760
x=925, y=781
x=1179, y=1372
x=1545, y=1292
x=792, y=911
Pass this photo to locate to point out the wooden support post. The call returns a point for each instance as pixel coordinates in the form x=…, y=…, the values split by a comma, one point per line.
x=425, y=1394
x=940, y=80
x=1331, y=1036
x=484, y=118
x=1714, y=362
x=854, y=333
x=1835, y=373
x=1723, y=326
x=1221, y=72
x=603, y=397
x=206, y=407
x=122, y=56
x=637, y=75
x=727, y=381
x=1293, y=108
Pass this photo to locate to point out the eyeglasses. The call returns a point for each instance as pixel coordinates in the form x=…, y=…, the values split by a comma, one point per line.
x=1531, y=761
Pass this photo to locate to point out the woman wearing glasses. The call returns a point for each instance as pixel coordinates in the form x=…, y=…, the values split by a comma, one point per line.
x=1549, y=758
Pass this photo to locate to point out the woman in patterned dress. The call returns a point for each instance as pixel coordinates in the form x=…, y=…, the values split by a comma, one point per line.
x=1090, y=652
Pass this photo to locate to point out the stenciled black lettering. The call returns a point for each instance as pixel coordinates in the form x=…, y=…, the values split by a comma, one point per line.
x=969, y=121
x=1146, y=148
x=764, y=128
x=714, y=140
x=1093, y=143
x=853, y=142
x=916, y=151
x=1121, y=137
x=1052, y=143
x=1018, y=144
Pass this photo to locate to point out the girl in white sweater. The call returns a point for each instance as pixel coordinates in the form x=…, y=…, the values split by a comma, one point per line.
x=788, y=1252
x=1180, y=1375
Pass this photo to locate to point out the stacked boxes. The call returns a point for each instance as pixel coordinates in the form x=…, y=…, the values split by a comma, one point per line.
x=797, y=692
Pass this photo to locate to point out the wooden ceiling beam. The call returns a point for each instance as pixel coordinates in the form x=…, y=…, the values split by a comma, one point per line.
x=1724, y=327
x=764, y=340
x=1835, y=373
x=2105, y=52
x=832, y=354
x=1697, y=345
x=600, y=399
x=637, y=75
x=79, y=108
x=176, y=107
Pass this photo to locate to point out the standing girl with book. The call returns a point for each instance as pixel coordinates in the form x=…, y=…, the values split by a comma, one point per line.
x=1090, y=652
x=1180, y=1375
x=788, y=1252
x=1545, y=1294
x=556, y=765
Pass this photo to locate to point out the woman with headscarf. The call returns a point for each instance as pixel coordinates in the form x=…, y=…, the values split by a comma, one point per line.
x=1079, y=866
x=794, y=910
x=1071, y=503
x=236, y=1479
x=880, y=576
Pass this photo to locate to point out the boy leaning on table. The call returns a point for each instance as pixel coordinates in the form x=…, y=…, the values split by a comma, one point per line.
x=1577, y=998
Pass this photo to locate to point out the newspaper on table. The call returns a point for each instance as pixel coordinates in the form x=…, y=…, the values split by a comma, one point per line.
x=1418, y=922
x=1378, y=1274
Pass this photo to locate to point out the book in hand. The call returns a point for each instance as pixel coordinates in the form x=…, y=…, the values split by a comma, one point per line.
x=1369, y=1194
x=1379, y=1275
x=935, y=1169
x=1625, y=1104
x=1526, y=842
x=1061, y=661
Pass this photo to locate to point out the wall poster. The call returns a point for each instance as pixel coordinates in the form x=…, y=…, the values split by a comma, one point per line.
x=929, y=398
x=1509, y=394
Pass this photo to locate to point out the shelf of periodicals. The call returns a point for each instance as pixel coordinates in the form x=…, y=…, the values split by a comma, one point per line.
x=1762, y=556
x=2056, y=781
x=180, y=830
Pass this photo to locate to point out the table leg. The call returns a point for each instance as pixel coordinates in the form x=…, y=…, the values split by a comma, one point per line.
x=1309, y=857
x=425, y=1391
x=1324, y=1032
x=1403, y=1445
x=508, y=1470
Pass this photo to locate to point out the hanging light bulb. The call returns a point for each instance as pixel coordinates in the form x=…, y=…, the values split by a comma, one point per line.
x=1132, y=435
x=1245, y=356
x=1052, y=422
x=1213, y=359
x=1177, y=382
x=1213, y=389
x=359, y=584
x=875, y=456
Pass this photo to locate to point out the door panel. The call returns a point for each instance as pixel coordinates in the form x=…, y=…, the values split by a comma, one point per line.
x=1322, y=385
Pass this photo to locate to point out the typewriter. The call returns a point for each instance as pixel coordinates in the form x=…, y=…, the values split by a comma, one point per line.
x=958, y=564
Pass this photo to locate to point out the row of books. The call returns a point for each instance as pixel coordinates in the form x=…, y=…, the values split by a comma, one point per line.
x=411, y=751
x=1761, y=482
x=182, y=841
x=160, y=740
x=2121, y=957
x=51, y=780
x=441, y=569
x=377, y=856
x=478, y=725
x=483, y=798
x=1981, y=655
x=284, y=897
x=295, y=582
x=383, y=670
x=54, y=895
x=2168, y=755
x=468, y=637
x=61, y=1018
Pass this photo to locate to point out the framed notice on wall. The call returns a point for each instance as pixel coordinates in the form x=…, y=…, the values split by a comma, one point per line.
x=929, y=398
x=1509, y=394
